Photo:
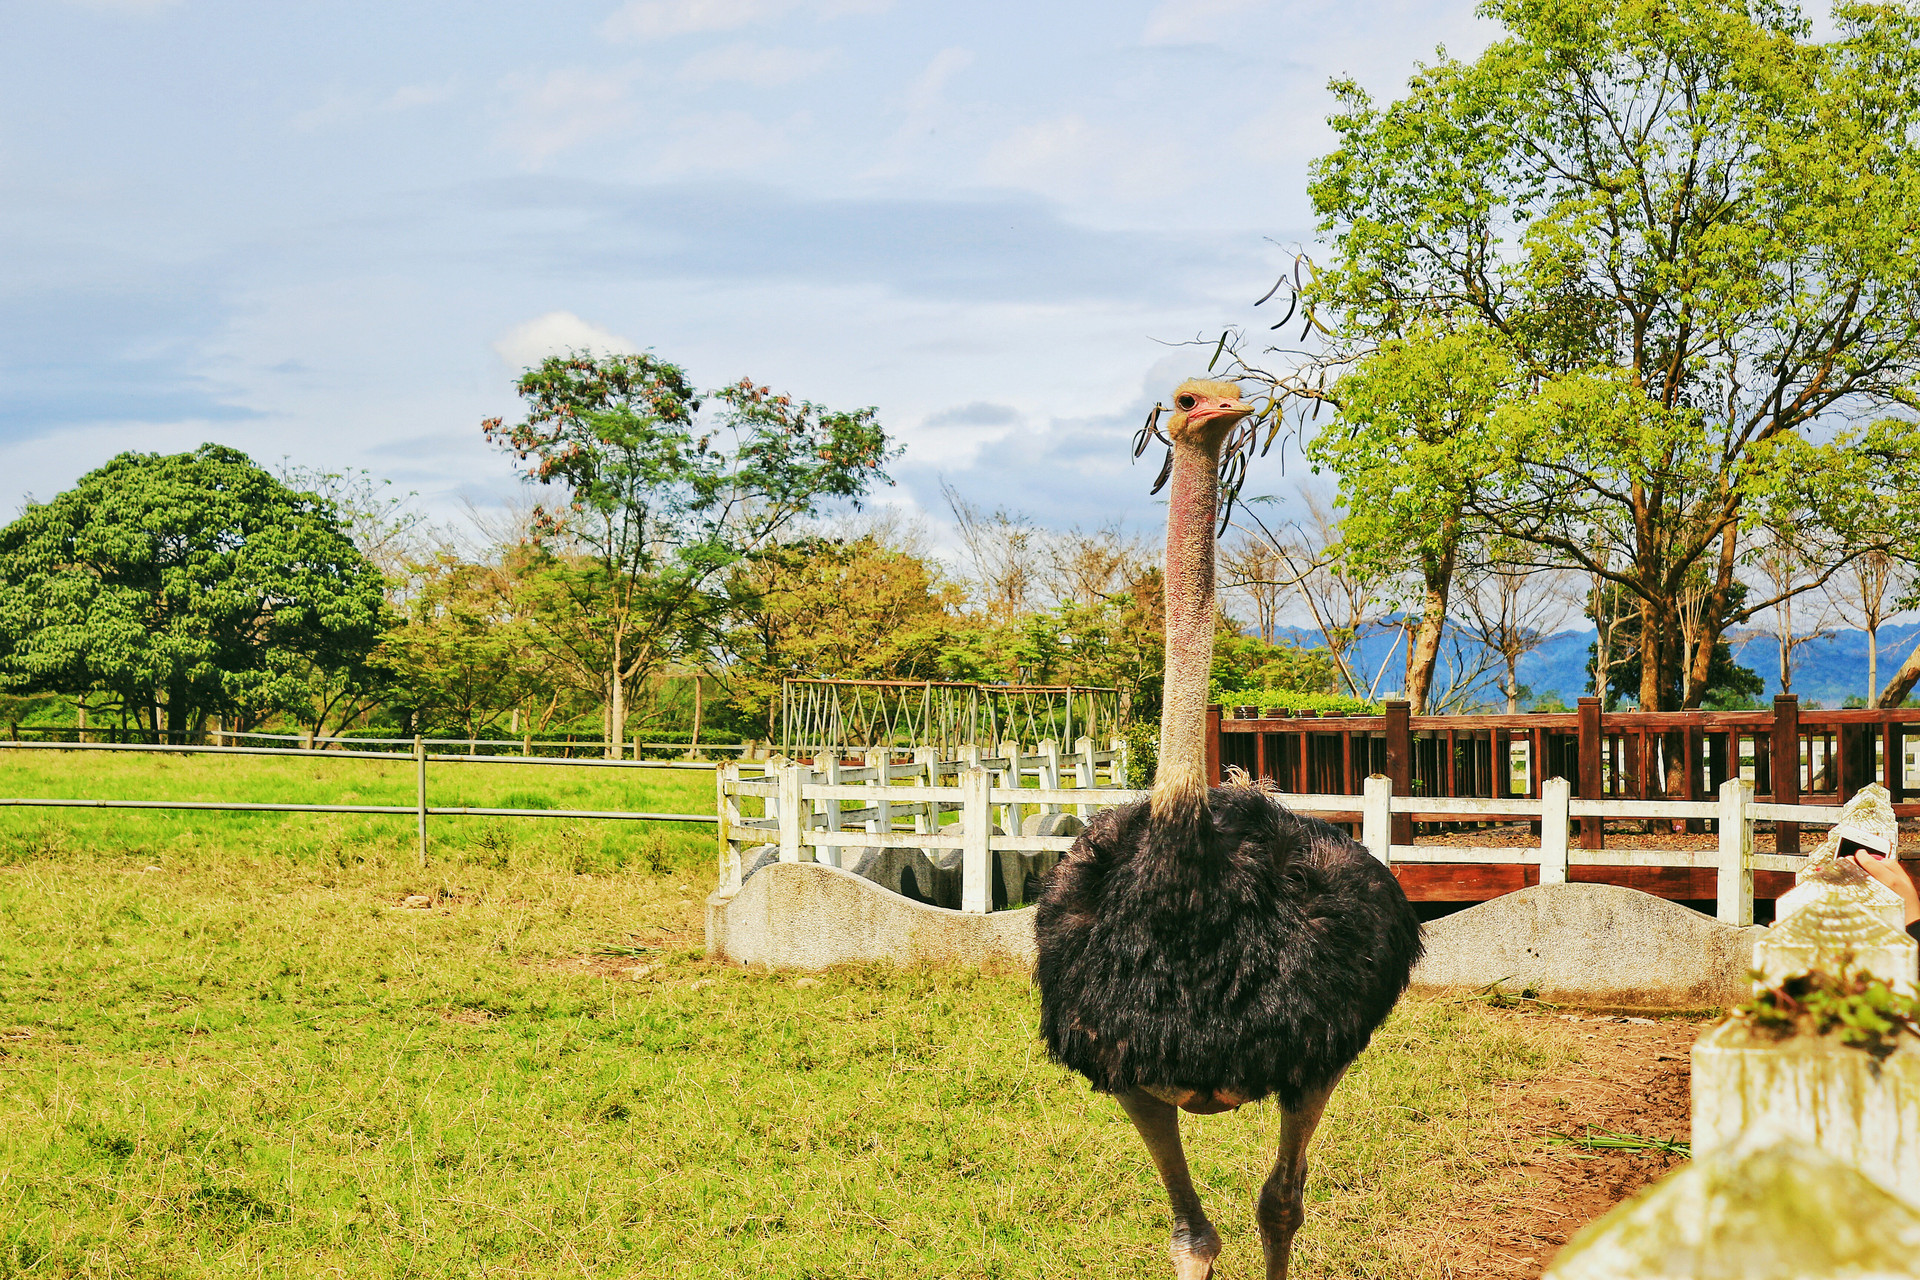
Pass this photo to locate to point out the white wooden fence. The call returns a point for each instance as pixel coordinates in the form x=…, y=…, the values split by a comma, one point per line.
x=806, y=815
x=906, y=802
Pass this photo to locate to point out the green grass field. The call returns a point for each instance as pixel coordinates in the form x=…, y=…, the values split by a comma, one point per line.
x=227, y=1049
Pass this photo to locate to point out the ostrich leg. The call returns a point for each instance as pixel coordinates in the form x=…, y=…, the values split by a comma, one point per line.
x=1282, y=1198
x=1195, y=1243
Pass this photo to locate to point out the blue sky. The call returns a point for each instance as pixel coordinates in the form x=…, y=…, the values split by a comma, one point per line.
x=334, y=232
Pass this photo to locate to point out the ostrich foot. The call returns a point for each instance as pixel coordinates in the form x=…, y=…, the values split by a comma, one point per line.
x=1195, y=1243
x=1280, y=1212
x=1282, y=1204
x=1194, y=1251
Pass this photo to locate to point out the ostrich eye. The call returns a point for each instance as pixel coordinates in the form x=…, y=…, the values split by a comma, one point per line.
x=1185, y=403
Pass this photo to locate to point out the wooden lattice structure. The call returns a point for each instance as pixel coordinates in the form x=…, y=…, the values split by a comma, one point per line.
x=855, y=715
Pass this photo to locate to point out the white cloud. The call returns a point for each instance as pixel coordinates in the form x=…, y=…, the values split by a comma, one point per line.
x=763, y=68
x=931, y=84
x=1196, y=21
x=726, y=141
x=127, y=6
x=660, y=19
x=567, y=107
x=408, y=96
x=555, y=334
x=1071, y=158
x=339, y=106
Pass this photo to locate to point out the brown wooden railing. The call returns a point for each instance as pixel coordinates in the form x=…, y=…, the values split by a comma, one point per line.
x=1793, y=756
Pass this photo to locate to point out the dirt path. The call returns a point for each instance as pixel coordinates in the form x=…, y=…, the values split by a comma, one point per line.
x=1631, y=1076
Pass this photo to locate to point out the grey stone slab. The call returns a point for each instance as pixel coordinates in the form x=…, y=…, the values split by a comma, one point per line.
x=1594, y=944
x=806, y=915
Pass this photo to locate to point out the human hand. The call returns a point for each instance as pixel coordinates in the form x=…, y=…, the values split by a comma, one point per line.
x=1890, y=873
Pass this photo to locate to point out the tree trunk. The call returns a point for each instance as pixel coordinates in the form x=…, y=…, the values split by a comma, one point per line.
x=1902, y=683
x=1873, y=660
x=616, y=705
x=1653, y=651
x=695, y=744
x=1424, y=653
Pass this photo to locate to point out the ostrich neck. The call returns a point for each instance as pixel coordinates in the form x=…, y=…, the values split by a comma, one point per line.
x=1180, y=781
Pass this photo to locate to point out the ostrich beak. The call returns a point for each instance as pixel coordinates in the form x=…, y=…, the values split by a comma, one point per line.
x=1226, y=412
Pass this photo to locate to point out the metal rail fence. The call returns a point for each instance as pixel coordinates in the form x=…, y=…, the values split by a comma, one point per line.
x=420, y=810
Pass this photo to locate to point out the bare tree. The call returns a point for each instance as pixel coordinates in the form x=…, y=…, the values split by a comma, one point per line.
x=1250, y=566
x=1344, y=606
x=1003, y=549
x=1867, y=595
x=1788, y=566
x=1512, y=607
x=1087, y=567
x=1607, y=603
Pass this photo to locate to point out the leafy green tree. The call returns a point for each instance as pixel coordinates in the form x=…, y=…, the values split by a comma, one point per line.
x=460, y=660
x=1408, y=444
x=855, y=610
x=661, y=502
x=1691, y=228
x=179, y=586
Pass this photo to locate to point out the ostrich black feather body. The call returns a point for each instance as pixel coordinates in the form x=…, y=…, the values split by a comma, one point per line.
x=1243, y=949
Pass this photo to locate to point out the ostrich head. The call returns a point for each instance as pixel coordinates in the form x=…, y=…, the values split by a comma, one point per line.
x=1205, y=412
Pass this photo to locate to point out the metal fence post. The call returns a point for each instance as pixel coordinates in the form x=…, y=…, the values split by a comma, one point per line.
x=1376, y=817
x=420, y=793
x=977, y=812
x=1735, y=893
x=793, y=812
x=1556, y=829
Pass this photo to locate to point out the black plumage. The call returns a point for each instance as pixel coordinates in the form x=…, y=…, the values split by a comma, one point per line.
x=1239, y=952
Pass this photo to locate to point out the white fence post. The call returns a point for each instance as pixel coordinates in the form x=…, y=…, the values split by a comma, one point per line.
x=1011, y=750
x=1121, y=772
x=725, y=778
x=1735, y=892
x=926, y=814
x=878, y=760
x=1083, y=775
x=1050, y=770
x=976, y=895
x=793, y=810
x=1376, y=817
x=1556, y=797
x=827, y=765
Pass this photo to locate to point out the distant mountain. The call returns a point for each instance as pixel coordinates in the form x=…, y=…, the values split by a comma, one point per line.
x=1825, y=671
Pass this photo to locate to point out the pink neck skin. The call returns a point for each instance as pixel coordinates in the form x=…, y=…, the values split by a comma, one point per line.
x=1180, y=781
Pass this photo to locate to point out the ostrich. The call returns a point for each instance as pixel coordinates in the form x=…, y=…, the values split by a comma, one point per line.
x=1206, y=948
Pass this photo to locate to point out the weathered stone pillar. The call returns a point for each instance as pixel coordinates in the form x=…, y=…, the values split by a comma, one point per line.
x=1857, y=1105
x=1769, y=1208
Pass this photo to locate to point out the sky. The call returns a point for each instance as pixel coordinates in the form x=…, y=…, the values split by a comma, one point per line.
x=332, y=234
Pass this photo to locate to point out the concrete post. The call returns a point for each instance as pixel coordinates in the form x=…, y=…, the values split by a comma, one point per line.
x=1376, y=817
x=1556, y=795
x=975, y=877
x=793, y=812
x=1735, y=893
